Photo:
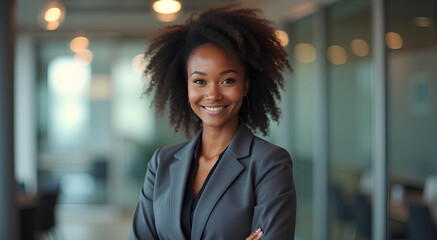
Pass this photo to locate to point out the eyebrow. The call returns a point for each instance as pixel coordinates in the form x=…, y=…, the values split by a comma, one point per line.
x=222, y=73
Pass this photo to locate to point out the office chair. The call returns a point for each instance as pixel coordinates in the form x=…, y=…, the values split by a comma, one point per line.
x=362, y=215
x=344, y=213
x=45, y=210
x=420, y=225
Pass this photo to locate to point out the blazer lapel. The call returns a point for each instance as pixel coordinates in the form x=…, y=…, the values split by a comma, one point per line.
x=179, y=171
x=226, y=172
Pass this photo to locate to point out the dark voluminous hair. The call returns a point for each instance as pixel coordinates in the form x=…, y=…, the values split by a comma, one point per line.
x=245, y=36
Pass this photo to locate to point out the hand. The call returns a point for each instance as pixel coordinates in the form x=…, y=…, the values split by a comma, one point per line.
x=255, y=235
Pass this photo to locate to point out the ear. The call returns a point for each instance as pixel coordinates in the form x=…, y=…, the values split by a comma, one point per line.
x=246, y=86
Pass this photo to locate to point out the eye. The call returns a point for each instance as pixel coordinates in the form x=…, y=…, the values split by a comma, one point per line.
x=228, y=81
x=199, y=81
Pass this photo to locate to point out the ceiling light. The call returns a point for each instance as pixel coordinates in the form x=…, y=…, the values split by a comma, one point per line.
x=305, y=52
x=79, y=43
x=167, y=6
x=52, y=15
x=337, y=55
x=83, y=57
x=52, y=25
x=422, y=21
x=283, y=37
x=394, y=40
x=359, y=47
x=166, y=17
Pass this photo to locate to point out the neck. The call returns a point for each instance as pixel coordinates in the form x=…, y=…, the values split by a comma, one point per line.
x=215, y=140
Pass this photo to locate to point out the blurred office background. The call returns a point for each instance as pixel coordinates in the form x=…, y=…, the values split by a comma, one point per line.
x=359, y=115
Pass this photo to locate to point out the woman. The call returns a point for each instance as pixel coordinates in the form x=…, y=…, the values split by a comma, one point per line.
x=220, y=72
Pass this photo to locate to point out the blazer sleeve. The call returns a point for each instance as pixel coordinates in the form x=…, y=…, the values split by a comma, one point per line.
x=275, y=210
x=143, y=223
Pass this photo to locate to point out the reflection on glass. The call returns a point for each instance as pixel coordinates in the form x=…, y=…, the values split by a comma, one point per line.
x=336, y=55
x=394, y=40
x=360, y=47
x=305, y=52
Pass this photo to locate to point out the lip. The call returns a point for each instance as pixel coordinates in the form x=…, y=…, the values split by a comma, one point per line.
x=214, y=109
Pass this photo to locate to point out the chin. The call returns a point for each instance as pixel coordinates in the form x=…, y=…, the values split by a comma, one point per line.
x=214, y=124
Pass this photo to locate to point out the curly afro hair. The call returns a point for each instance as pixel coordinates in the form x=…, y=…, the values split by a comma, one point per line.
x=244, y=35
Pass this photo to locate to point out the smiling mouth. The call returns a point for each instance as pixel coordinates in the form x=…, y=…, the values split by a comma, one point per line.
x=214, y=109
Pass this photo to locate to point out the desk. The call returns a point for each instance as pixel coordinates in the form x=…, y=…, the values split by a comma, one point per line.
x=25, y=200
x=27, y=205
x=401, y=213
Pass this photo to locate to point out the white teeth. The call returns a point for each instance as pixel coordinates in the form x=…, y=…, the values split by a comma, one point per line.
x=214, y=108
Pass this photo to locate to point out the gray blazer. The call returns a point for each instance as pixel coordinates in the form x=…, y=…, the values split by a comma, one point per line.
x=251, y=187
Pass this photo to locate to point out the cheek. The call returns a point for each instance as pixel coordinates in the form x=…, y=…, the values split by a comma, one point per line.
x=236, y=95
x=193, y=94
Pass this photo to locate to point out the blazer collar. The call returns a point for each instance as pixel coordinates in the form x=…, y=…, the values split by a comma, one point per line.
x=225, y=173
x=179, y=171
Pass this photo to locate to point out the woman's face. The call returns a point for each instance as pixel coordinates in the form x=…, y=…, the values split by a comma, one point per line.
x=216, y=86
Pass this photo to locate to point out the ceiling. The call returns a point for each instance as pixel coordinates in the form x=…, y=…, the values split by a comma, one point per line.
x=135, y=17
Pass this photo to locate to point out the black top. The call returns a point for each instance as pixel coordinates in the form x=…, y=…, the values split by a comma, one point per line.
x=189, y=204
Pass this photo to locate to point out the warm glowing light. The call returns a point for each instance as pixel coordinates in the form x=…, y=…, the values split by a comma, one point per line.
x=360, y=47
x=139, y=63
x=79, y=43
x=394, y=40
x=166, y=17
x=305, y=52
x=83, y=57
x=53, y=14
x=283, y=37
x=167, y=6
x=422, y=21
x=52, y=25
x=337, y=55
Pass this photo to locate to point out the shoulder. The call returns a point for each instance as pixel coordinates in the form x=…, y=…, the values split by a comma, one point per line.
x=263, y=150
x=170, y=150
x=271, y=167
x=165, y=154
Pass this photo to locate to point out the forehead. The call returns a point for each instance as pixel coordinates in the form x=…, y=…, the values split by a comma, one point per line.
x=211, y=55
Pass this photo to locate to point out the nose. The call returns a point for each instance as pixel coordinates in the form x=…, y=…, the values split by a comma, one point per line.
x=213, y=92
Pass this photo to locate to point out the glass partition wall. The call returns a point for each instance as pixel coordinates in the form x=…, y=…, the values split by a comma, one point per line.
x=96, y=132
x=349, y=71
x=411, y=41
x=300, y=100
